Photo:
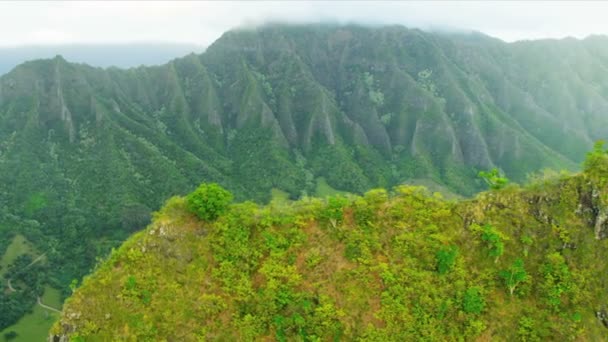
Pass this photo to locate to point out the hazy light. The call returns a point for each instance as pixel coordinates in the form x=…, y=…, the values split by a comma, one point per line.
x=26, y=23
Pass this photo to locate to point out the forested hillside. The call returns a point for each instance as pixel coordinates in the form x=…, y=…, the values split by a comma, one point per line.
x=87, y=153
x=512, y=264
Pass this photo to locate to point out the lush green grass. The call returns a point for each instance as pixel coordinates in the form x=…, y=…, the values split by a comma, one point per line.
x=35, y=326
x=325, y=190
x=434, y=187
x=279, y=195
x=52, y=297
x=18, y=246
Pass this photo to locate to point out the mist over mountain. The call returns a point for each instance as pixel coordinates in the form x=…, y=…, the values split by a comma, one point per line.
x=99, y=55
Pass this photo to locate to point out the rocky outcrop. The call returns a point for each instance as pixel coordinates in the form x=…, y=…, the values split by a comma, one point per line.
x=602, y=316
x=601, y=224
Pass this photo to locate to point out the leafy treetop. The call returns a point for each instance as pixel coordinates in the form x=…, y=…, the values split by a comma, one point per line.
x=209, y=201
x=494, y=179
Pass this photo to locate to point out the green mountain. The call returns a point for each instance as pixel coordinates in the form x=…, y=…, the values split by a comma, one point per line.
x=101, y=55
x=508, y=265
x=87, y=153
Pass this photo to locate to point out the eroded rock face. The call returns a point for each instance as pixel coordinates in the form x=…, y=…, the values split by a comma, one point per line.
x=602, y=316
x=589, y=206
x=592, y=203
x=56, y=338
x=62, y=337
x=601, y=226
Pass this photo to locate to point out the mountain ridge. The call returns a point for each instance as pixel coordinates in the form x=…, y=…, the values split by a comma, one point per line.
x=509, y=264
x=86, y=154
x=101, y=55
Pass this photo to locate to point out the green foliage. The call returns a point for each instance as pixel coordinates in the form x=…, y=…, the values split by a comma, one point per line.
x=375, y=95
x=557, y=284
x=473, y=301
x=135, y=216
x=494, y=241
x=81, y=168
x=526, y=241
x=209, y=201
x=526, y=330
x=446, y=258
x=494, y=179
x=596, y=167
x=386, y=118
x=514, y=275
x=426, y=82
x=26, y=275
x=73, y=285
x=323, y=190
x=596, y=161
x=35, y=203
x=354, y=267
x=334, y=211
x=9, y=336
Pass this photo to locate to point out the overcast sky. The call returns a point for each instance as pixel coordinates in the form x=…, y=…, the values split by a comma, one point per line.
x=27, y=23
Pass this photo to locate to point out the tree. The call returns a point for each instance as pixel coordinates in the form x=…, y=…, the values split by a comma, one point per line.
x=473, y=301
x=446, y=257
x=209, y=201
x=596, y=164
x=558, y=281
x=494, y=238
x=597, y=157
x=494, y=179
x=11, y=335
x=514, y=275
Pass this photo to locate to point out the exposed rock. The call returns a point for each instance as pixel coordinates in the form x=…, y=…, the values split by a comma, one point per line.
x=601, y=226
x=602, y=316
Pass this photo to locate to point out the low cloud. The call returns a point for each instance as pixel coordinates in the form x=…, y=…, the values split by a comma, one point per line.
x=202, y=22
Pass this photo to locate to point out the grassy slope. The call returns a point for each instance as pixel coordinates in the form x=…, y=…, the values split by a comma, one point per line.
x=19, y=246
x=362, y=267
x=279, y=195
x=434, y=187
x=35, y=325
x=51, y=297
x=322, y=189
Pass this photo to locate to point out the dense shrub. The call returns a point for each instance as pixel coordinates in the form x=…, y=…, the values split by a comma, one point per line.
x=446, y=257
x=209, y=201
x=473, y=301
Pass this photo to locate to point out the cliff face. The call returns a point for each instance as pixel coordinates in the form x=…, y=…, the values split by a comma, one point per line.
x=413, y=104
x=512, y=264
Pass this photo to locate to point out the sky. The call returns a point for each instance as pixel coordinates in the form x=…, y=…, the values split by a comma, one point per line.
x=200, y=23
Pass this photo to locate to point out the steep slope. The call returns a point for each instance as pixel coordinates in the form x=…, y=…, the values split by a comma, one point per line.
x=87, y=153
x=514, y=264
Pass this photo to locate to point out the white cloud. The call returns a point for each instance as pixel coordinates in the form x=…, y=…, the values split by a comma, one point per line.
x=24, y=23
x=49, y=36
